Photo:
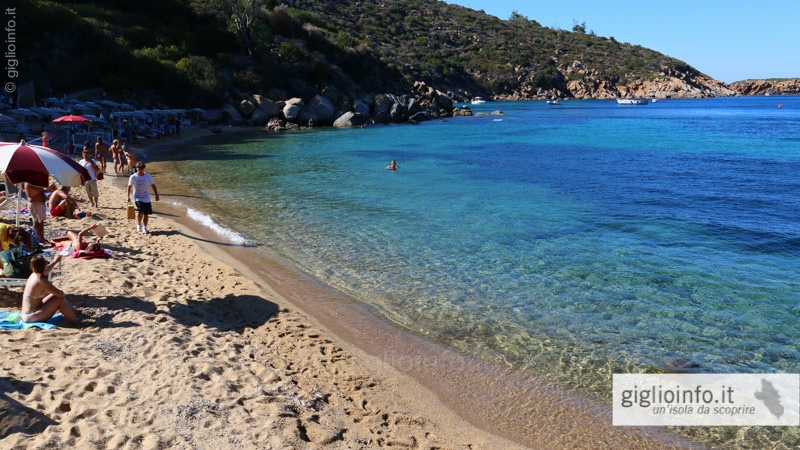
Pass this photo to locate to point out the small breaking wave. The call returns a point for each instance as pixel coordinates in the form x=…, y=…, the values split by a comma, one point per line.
x=208, y=222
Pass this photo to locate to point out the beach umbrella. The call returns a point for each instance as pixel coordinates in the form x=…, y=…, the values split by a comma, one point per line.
x=22, y=163
x=34, y=164
x=71, y=119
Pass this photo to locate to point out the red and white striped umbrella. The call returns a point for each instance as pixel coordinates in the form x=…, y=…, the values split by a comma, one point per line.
x=34, y=164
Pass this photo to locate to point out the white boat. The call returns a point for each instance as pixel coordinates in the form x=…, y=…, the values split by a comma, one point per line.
x=478, y=101
x=631, y=101
x=554, y=102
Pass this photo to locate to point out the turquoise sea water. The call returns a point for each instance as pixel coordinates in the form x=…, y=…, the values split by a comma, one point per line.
x=576, y=240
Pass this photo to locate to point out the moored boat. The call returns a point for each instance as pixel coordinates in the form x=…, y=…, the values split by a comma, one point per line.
x=631, y=101
x=478, y=101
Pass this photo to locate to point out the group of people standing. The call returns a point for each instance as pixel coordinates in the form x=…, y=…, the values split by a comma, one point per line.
x=123, y=158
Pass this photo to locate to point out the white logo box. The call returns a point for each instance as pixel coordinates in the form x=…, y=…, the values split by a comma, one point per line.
x=706, y=399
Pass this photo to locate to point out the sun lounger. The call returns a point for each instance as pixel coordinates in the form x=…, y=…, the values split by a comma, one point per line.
x=13, y=281
x=10, y=203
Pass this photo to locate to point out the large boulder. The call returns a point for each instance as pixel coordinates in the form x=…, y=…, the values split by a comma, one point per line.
x=464, y=111
x=331, y=93
x=349, y=119
x=259, y=118
x=246, y=107
x=307, y=119
x=361, y=107
x=296, y=101
x=232, y=115
x=413, y=106
x=383, y=105
x=214, y=115
x=445, y=102
x=268, y=106
x=398, y=112
x=291, y=112
x=320, y=109
x=277, y=94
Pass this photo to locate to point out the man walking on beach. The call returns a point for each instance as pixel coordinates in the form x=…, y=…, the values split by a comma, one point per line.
x=101, y=152
x=139, y=183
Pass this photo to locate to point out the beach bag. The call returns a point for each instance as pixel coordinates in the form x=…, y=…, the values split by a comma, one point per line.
x=131, y=212
x=99, y=176
x=17, y=262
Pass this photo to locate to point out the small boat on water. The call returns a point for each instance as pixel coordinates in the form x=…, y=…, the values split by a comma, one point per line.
x=554, y=102
x=478, y=101
x=631, y=101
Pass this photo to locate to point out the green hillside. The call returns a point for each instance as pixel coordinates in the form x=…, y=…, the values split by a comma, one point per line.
x=200, y=53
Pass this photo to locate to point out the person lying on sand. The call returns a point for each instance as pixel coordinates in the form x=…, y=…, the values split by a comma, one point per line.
x=41, y=300
x=77, y=242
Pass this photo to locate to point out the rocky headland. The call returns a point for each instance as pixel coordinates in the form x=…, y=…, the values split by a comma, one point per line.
x=787, y=86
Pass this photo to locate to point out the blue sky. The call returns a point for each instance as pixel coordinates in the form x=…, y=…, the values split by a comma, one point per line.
x=727, y=40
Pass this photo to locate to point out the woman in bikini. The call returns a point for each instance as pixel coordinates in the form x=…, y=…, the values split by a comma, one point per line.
x=41, y=300
x=77, y=242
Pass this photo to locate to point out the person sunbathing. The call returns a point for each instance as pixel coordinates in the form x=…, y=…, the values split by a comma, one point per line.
x=41, y=299
x=77, y=242
x=63, y=204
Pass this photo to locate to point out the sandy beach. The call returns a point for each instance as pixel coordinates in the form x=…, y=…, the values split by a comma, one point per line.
x=191, y=342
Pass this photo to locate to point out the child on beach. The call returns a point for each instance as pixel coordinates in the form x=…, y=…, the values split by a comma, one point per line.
x=41, y=299
x=129, y=159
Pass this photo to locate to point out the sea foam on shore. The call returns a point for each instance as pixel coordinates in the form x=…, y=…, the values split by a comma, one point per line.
x=213, y=225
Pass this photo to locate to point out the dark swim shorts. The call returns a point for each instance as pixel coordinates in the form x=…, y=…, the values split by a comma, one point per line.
x=144, y=207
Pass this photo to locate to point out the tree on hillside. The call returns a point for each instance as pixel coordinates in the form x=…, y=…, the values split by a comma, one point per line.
x=240, y=15
x=578, y=27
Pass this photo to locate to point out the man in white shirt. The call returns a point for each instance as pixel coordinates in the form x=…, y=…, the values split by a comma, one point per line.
x=139, y=184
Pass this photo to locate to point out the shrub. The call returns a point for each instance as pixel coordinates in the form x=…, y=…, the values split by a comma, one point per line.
x=291, y=53
x=201, y=73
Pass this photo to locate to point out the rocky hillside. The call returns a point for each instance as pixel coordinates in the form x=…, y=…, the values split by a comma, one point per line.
x=469, y=53
x=257, y=57
x=789, y=86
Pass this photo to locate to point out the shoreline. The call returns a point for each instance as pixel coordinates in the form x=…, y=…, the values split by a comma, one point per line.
x=343, y=374
x=465, y=384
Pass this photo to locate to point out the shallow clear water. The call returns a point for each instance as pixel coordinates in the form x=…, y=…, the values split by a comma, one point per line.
x=575, y=240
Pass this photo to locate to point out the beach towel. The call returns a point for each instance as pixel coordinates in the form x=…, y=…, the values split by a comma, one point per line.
x=22, y=212
x=91, y=254
x=13, y=321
